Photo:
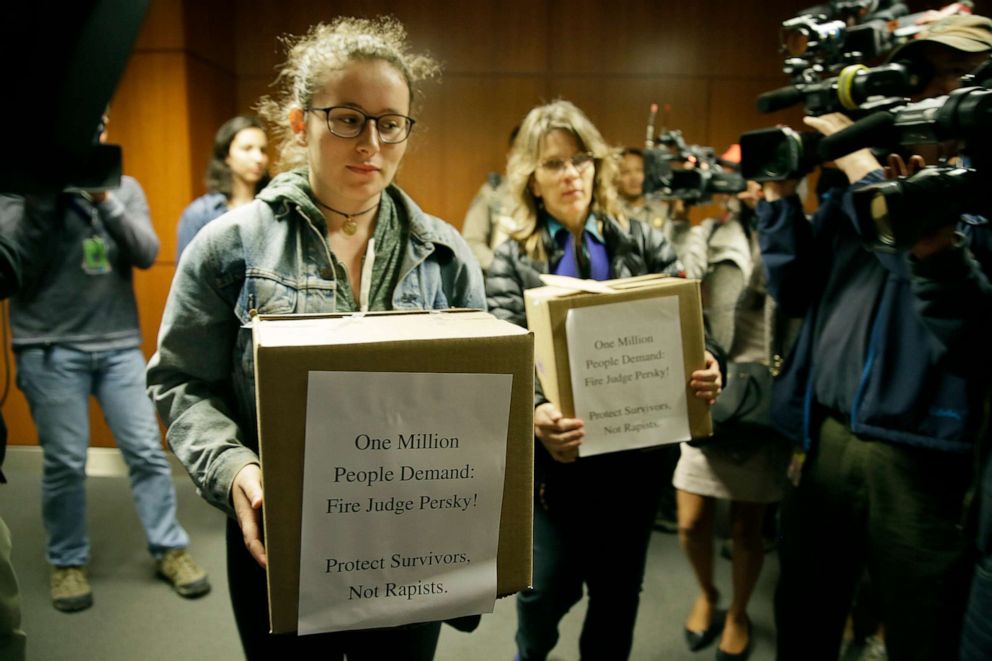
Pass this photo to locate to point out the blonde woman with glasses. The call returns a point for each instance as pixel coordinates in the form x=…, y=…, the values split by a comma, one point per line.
x=593, y=515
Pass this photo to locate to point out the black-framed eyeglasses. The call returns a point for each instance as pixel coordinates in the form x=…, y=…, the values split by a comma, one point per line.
x=557, y=165
x=348, y=122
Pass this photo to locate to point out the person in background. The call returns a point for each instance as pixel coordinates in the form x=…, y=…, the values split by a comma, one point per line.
x=653, y=212
x=237, y=170
x=592, y=515
x=670, y=217
x=332, y=233
x=489, y=220
x=748, y=472
x=634, y=203
x=75, y=334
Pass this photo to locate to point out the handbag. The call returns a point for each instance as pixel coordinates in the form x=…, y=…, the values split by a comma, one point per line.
x=742, y=412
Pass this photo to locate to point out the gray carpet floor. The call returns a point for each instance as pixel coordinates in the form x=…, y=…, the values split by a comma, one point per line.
x=137, y=617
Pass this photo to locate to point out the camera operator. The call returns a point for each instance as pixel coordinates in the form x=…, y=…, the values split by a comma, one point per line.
x=950, y=285
x=75, y=334
x=630, y=185
x=888, y=421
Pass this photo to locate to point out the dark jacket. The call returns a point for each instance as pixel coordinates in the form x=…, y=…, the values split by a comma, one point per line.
x=638, y=251
x=912, y=390
x=78, y=260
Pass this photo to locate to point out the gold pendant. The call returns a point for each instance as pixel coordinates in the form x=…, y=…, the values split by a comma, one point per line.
x=350, y=226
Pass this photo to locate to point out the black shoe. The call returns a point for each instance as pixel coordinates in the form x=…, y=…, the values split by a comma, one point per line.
x=744, y=654
x=697, y=640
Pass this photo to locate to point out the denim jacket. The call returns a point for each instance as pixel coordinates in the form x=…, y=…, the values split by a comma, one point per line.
x=270, y=257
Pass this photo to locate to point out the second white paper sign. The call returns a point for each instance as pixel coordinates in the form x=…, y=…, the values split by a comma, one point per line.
x=628, y=376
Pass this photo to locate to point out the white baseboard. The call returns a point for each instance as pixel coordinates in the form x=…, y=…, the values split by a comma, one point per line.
x=100, y=462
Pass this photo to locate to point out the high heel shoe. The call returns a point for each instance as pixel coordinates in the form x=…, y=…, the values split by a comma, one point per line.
x=744, y=654
x=697, y=640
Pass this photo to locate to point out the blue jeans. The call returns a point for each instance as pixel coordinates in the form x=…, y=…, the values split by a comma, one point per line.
x=57, y=383
x=976, y=640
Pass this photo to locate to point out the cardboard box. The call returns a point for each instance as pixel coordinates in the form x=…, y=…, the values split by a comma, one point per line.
x=288, y=347
x=547, y=310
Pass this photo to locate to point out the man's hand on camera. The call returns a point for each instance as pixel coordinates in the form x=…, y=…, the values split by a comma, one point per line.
x=855, y=165
x=944, y=237
x=897, y=167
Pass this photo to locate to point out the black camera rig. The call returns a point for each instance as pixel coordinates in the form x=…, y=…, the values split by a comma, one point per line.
x=826, y=48
x=895, y=214
x=676, y=170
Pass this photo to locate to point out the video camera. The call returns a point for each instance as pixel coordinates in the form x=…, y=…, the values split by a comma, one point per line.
x=895, y=214
x=778, y=153
x=837, y=33
x=828, y=39
x=674, y=170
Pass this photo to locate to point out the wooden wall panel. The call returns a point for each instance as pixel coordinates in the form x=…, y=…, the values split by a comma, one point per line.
x=149, y=119
x=151, y=287
x=742, y=38
x=422, y=173
x=630, y=37
x=163, y=28
x=211, y=101
x=619, y=105
x=468, y=128
x=209, y=31
x=248, y=91
x=493, y=37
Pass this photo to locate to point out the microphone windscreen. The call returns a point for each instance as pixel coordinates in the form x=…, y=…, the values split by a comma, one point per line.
x=784, y=97
x=872, y=131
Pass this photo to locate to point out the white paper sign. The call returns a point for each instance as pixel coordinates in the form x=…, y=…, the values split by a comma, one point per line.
x=402, y=491
x=628, y=375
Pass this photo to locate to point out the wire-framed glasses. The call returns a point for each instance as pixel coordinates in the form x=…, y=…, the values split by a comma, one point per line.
x=557, y=165
x=348, y=122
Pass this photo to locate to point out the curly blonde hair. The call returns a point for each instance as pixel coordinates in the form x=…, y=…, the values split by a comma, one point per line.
x=328, y=47
x=524, y=158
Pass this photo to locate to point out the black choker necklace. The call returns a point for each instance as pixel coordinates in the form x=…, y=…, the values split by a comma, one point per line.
x=350, y=226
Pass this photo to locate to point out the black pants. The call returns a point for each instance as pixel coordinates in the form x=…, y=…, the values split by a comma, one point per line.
x=249, y=599
x=591, y=527
x=895, y=510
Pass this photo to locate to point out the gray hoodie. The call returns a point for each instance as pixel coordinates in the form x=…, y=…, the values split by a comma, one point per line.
x=78, y=258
